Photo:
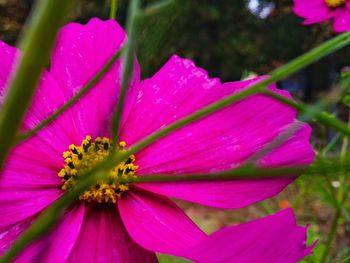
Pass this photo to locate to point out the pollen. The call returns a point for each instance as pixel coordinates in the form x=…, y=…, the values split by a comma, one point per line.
x=81, y=159
x=334, y=3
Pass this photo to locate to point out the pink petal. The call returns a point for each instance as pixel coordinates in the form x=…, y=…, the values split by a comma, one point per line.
x=272, y=239
x=314, y=11
x=10, y=233
x=57, y=136
x=80, y=52
x=16, y=206
x=29, y=181
x=32, y=165
x=8, y=56
x=47, y=98
x=219, y=142
x=235, y=194
x=58, y=244
x=103, y=238
x=157, y=224
x=342, y=20
x=31, y=171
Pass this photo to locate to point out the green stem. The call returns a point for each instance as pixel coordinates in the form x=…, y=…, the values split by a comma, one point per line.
x=330, y=145
x=128, y=65
x=276, y=142
x=312, y=56
x=86, y=88
x=155, y=8
x=322, y=117
x=113, y=10
x=47, y=221
x=291, y=67
x=341, y=200
x=242, y=172
x=285, y=134
x=321, y=158
x=36, y=45
x=50, y=216
x=331, y=235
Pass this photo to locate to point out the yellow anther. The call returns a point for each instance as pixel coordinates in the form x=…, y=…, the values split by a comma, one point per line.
x=124, y=188
x=61, y=173
x=66, y=154
x=334, y=3
x=71, y=147
x=81, y=159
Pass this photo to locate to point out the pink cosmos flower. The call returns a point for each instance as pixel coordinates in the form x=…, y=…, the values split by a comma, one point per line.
x=128, y=223
x=316, y=11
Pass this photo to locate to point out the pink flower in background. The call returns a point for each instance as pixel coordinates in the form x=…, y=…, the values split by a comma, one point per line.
x=128, y=223
x=316, y=11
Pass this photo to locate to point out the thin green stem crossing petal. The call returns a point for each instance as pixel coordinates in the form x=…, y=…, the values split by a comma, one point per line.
x=95, y=80
x=128, y=65
x=50, y=216
x=293, y=66
x=47, y=17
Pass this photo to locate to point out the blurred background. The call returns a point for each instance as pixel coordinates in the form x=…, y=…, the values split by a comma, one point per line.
x=232, y=39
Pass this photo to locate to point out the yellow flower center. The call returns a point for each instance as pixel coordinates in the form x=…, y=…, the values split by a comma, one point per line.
x=81, y=159
x=334, y=3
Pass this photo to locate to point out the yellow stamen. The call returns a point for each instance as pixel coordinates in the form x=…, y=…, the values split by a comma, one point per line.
x=334, y=3
x=81, y=159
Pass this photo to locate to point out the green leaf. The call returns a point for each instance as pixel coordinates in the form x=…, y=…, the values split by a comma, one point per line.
x=170, y=259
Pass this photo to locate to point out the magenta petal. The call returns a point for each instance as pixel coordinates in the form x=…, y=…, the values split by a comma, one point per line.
x=8, y=55
x=272, y=239
x=240, y=193
x=57, y=245
x=10, y=233
x=342, y=20
x=219, y=142
x=32, y=165
x=176, y=90
x=19, y=205
x=29, y=181
x=81, y=50
x=314, y=11
x=57, y=136
x=235, y=194
x=157, y=224
x=104, y=239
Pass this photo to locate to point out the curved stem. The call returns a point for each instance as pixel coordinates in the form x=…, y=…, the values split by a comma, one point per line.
x=128, y=65
x=113, y=10
x=86, y=88
x=323, y=117
x=46, y=19
x=341, y=199
x=291, y=67
x=56, y=209
x=50, y=216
